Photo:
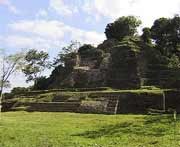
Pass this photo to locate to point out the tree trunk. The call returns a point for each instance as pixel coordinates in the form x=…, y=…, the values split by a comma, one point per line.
x=1, y=96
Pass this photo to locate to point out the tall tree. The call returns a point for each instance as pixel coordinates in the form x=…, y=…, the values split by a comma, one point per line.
x=160, y=34
x=166, y=34
x=9, y=65
x=122, y=27
x=35, y=63
x=175, y=32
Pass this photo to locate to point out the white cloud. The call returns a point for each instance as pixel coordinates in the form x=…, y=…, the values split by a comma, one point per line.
x=9, y=5
x=61, y=8
x=42, y=28
x=44, y=34
x=18, y=41
x=27, y=42
x=42, y=13
x=147, y=10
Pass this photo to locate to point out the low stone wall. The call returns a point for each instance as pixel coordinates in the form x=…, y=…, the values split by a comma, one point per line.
x=123, y=71
x=118, y=103
x=6, y=106
x=139, y=103
x=173, y=100
x=53, y=107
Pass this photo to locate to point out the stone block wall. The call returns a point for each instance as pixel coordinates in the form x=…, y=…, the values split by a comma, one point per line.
x=123, y=71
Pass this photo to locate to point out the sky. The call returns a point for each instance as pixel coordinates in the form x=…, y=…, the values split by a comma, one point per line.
x=51, y=24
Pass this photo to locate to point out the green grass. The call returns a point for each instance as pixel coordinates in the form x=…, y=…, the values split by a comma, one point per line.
x=22, y=129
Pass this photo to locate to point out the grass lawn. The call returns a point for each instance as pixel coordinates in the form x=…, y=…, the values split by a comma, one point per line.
x=22, y=129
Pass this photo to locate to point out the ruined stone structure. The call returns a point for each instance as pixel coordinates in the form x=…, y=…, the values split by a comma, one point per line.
x=129, y=64
x=98, y=102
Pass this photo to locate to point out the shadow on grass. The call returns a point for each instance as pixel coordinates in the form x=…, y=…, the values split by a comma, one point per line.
x=151, y=126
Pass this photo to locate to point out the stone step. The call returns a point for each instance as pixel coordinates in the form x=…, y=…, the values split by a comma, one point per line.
x=18, y=109
x=52, y=110
x=112, y=106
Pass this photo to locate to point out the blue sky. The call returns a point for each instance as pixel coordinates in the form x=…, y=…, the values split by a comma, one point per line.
x=51, y=24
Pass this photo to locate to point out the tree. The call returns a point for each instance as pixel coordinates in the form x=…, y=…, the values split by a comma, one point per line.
x=8, y=66
x=35, y=63
x=87, y=50
x=160, y=34
x=175, y=32
x=122, y=27
x=166, y=34
x=41, y=83
x=146, y=36
x=67, y=53
x=72, y=47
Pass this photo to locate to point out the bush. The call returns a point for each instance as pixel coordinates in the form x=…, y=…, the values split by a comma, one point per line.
x=88, y=51
x=8, y=96
x=19, y=90
x=41, y=84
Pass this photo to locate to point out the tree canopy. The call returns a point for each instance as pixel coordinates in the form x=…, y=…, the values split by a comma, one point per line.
x=35, y=62
x=87, y=50
x=122, y=27
x=166, y=33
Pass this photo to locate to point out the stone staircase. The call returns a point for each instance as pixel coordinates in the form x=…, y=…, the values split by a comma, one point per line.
x=112, y=105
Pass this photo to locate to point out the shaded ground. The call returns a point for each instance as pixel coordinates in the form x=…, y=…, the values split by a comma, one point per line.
x=21, y=129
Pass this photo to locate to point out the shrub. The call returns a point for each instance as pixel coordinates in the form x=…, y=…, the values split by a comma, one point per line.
x=19, y=90
x=41, y=83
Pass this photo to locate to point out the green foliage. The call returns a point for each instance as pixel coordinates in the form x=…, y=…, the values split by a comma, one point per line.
x=16, y=91
x=146, y=36
x=174, y=62
x=122, y=27
x=88, y=51
x=9, y=64
x=35, y=63
x=72, y=47
x=165, y=32
x=67, y=53
x=19, y=90
x=41, y=83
